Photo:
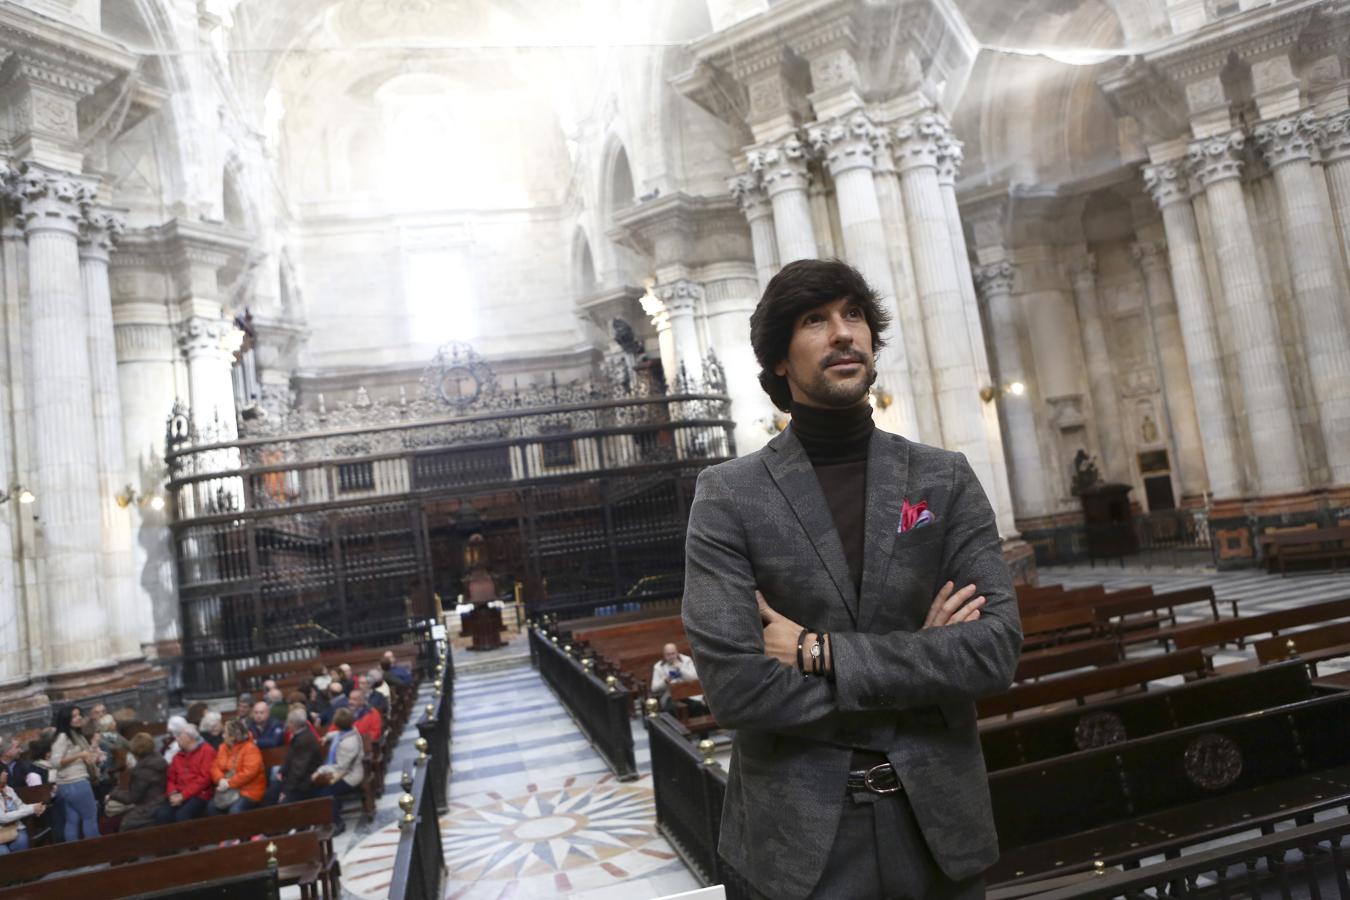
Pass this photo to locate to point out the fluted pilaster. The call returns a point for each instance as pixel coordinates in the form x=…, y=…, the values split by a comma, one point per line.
x=758, y=211
x=917, y=148
x=1216, y=165
x=99, y=230
x=1101, y=377
x=1333, y=140
x=782, y=169
x=846, y=148
x=1169, y=188
x=1026, y=475
x=65, y=472
x=1288, y=145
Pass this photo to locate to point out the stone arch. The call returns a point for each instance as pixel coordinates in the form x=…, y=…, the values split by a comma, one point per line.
x=583, y=264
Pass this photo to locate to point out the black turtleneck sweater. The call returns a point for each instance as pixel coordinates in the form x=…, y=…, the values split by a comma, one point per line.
x=836, y=442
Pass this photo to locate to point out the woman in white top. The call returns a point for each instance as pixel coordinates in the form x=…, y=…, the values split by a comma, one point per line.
x=72, y=760
x=12, y=813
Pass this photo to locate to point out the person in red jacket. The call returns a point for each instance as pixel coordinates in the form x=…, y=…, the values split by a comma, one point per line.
x=369, y=722
x=189, y=786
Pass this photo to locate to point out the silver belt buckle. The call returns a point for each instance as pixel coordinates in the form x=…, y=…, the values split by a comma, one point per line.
x=867, y=781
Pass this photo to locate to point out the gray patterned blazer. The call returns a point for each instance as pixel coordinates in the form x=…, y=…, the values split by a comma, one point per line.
x=762, y=521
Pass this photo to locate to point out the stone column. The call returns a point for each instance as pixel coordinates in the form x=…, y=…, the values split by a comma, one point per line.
x=1333, y=139
x=1101, y=377
x=950, y=158
x=99, y=230
x=846, y=147
x=1030, y=494
x=681, y=299
x=1216, y=163
x=1187, y=445
x=782, y=170
x=730, y=294
x=909, y=320
x=1309, y=248
x=918, y=144
x=758, y=211
x=209, y=345
x=16, y=663
x=665, y=339
x=65, y=468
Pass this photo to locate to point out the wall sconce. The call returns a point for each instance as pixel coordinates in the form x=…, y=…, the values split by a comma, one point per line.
x=129, y=496
x=1015, y=388
x=18, y=492
x=880, y=398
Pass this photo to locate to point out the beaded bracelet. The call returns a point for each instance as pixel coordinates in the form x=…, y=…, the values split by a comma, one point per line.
x=801, y=642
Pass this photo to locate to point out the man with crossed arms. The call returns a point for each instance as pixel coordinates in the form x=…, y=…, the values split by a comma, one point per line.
x=821, y=608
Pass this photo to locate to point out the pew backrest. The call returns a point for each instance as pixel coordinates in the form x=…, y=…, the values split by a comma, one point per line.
x=1214, y=633
x=1308, y=641
x=1095, y=681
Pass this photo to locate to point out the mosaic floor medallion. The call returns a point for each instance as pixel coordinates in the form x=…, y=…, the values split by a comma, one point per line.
x=580, y=833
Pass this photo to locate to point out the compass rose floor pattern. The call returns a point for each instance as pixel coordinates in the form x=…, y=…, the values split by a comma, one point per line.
x=534, y=812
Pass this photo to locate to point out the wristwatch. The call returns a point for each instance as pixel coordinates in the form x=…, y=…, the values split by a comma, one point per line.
x=815, y=655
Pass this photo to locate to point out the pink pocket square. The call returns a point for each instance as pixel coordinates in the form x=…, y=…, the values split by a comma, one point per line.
x=914, y=516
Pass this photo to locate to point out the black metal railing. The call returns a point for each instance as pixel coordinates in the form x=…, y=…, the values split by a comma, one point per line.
x=1164, y=538
x=419, y=861
x=689, y=788
x=600, y=707
x=1307, y=861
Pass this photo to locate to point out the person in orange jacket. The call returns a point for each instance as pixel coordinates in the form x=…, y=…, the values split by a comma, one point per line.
x=238, y=768
x=188, y=787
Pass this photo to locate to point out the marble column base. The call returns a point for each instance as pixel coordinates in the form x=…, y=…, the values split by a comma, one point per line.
x=1021, y=558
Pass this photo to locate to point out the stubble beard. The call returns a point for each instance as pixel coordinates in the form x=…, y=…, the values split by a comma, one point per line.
x=823, y=391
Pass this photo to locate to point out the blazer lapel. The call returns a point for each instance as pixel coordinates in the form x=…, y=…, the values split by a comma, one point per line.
x=792, y=472
x=887, y=476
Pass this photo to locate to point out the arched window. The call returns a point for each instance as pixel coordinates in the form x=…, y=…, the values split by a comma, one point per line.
x=620, y=183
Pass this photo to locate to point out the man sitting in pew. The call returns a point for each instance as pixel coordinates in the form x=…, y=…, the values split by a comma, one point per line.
x=337, y=699
x=189, y=786
x=673, y=666
x=393, y=670
x=367, y=718
x=291, y=782
x=379, y=691
x=13, y=834
x=267, y=732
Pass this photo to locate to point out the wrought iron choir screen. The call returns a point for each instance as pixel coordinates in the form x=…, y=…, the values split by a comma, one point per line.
x=317, y=529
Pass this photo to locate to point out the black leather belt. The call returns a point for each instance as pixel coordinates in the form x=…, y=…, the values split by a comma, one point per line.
x=876, y=780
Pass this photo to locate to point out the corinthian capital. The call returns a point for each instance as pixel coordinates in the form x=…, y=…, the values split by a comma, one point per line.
x=48, y=200
x=781, y=166
x=951, y=155
x=1333, y=137
x=202, y=336
x=845, y=144
x=994, y=279
x=100, y=230
x=1149, y=254
x=1166, y=183
x=1286, y=140
x=680, y=297
x=920, y=141
x=749, y=195
x=1217, y=158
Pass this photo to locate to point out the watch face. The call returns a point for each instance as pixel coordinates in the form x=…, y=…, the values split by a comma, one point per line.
x=815, y=649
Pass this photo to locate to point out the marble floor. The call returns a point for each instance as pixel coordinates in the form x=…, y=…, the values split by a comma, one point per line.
x=535, y=812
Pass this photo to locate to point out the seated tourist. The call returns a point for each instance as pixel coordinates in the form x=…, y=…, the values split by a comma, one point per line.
x=276, y=701
x=267, y=732
x=377, y=691
x=337, y=699
x=144, y=793
x=673, y=666
x=348, y=682
x=195, y=712
x=237, y=772
x=108, y=741
x=212, y=729
x=13, y=833
x=316, y=703
x=304, y=752
x=342, y=771
x=319, y=676
x=393, y=670
x=11, y=753
x=189, y=786
x=73, y=762
x=176, y=725
x=367, y=719
x=37, y=762
x=244, y=707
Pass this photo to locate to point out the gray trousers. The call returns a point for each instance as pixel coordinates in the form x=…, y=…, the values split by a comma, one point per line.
x=879, y=853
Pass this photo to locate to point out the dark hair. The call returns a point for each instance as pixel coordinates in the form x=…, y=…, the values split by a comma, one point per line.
x=195, y=712
x=798, y=287
x=62, y=721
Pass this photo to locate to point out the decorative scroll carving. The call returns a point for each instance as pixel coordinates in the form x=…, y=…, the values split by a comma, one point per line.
x=1166, y=183
x=781, y=166
x=1217, y=158
x=845, y=145
x=920, y=140
x=1287, y=140
x=995, y=278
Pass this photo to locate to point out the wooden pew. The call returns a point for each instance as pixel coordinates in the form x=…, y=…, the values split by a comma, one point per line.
x=1213, y=634
x=1157, y=794
x=360, y=659
x=1097, y=681
x=299, y=861
x=1035, y=738
x=113, y=849
x=1066, y=657
x=1310, y=545
x=1153, y=617
x=1046, y=629
x=1311, y=645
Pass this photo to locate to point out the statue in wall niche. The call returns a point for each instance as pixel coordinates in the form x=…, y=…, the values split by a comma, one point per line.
x=1086, y=477
x=1148, y=430
x=625, y=338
